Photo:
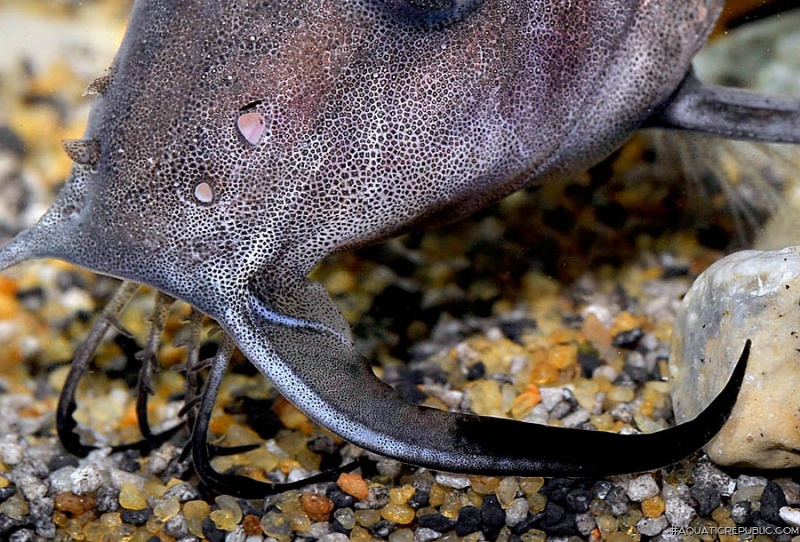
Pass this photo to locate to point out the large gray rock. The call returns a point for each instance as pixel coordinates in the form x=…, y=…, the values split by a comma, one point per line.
x=748, y=295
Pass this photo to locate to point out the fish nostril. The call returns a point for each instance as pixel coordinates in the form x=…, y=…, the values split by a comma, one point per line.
x=252, y=126
x=204, y=193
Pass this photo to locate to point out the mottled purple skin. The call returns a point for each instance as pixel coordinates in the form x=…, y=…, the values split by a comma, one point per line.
x=375, y=125
x=380, y=116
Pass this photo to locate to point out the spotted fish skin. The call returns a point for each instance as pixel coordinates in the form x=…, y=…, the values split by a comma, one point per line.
x=374, y=121
x=240, y=142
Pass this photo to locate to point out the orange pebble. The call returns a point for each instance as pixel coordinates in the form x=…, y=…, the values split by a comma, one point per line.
x=562, y=356
x=524, y=402
x=292, y=418
x=220, y=424
x=73, y=504
x=252, y=525
x=353, y=484
x=653, y=507
x=543, y=373
x=316, y=507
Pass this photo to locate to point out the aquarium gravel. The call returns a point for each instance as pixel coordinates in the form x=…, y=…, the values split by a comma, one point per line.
x=555, y=306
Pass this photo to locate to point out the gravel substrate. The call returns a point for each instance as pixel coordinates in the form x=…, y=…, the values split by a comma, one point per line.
x=555, y=306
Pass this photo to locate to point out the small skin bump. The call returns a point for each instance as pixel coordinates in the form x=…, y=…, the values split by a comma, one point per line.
x=98, y=86
x=252, y=126
x=85, y=152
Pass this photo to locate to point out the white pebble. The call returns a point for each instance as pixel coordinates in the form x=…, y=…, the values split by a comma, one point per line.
x=517, y=511
x=31, y=487
x=61, y=480
x=679, y=513
x=551, y=397
x=389, y=467
x=652, y=526
x=456, y=481
x=538, y=414
x=12, y=449
x=577, y=418
x=237, y=535
x=743, y=480
x=335, y=537
x=426, y=535
x=86, y=479
x=606, y=371
x=790, y=515
x=295, y=475
x=318, y=529
x=642, y=488
x=585, y=523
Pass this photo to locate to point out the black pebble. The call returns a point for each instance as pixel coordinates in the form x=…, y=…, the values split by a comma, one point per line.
x=261, y=418
x=7, y=524
x=675, y=271
x=742, y=512
x=11, y=142
x=322, y=444
x=589, y=361
x=578, y=500
x=713, y=237
x=628, y=339
x=469, y=521
x=7, y=492
x=211, y=532
x=639, y=375
x=107, y=499
x=421, y=499
x=136, y=517
x=478, y=370
x=708, y=499
x=382, y=529
x=337, y=527
x=557, y=521
x=340, y=498
x=31, y=298
x=557, y=489
x=129, y=461
x=778, y=535
x=23, y=535
x=436, y=522
x=559, y=218
x=515, y=328
x=618, y=501
x=493, y=517
x=62, y=460
x=772, y=500
x=611, y=214
x=248, y=509
x=527, y=524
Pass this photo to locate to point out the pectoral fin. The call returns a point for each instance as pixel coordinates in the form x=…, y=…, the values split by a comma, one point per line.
x=313, y=363
x=730, y=112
